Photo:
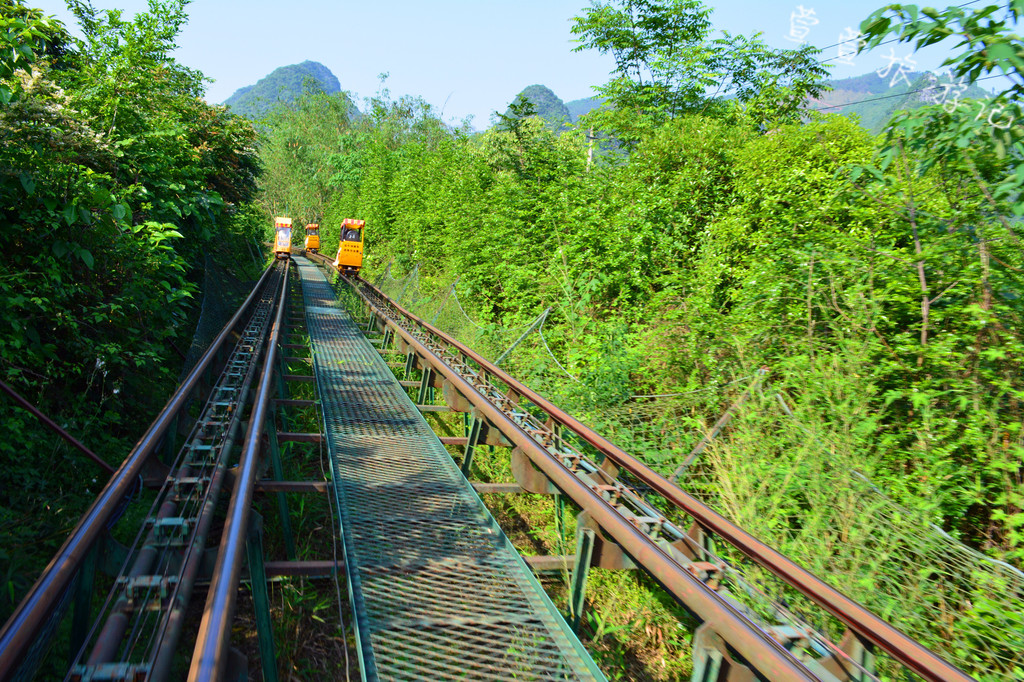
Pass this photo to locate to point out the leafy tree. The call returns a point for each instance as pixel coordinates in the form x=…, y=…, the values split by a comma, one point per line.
x=304, y=151
x=960, y=162
x=25, y=37
x=666, y=63
x=115, y=180
x=963, y=129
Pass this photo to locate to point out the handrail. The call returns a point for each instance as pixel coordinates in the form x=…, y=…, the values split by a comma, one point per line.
x=211, y=652
x=755, y=645
x=866, y=624
x=25, y=623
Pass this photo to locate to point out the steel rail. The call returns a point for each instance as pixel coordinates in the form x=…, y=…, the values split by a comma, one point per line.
x=167, y=643
x=762, y=651
x=209, y=658
x=110, y=638
x=863, y=622
x=26, y=622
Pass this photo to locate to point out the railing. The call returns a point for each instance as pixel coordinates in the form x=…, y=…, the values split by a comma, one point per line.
x=25, y=626
x=563, y=449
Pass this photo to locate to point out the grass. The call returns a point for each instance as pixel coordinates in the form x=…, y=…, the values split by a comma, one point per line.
x=632, y=628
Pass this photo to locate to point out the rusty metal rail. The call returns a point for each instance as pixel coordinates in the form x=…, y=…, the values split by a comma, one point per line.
x=501, y=400
x=20, y=634
x=212, y=647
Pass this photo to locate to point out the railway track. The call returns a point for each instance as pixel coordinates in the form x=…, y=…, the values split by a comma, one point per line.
x=553, y=452
x=226, y=412
x=136, y=633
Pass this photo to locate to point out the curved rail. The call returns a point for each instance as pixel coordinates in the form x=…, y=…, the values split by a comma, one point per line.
x=25, y=624
x=860, y=620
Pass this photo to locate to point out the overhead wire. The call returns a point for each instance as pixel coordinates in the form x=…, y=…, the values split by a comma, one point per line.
x=886, y=42
x=879, y=99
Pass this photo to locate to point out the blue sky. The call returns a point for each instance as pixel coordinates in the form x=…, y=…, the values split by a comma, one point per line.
x=469, y=57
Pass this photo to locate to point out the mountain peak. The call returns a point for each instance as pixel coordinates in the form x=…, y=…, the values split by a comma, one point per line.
x=282, y=85
x=546, y=103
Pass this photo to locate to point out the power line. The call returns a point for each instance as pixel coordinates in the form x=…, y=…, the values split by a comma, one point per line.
x=887, y=42
x=904, y=94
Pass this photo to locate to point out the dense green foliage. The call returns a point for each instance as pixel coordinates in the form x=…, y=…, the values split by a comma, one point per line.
x=877, y=280
x=717, y=249
x=282, y=85
x=968, y=129
x=115, y=178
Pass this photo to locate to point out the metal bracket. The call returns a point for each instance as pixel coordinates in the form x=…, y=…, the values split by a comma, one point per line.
x=528, y=476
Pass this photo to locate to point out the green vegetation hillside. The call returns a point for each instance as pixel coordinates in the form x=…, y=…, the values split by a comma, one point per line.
x=579, y=107
x=545, y=103
x=874, y=100
x=282, y=85
x=871, y=288
x=875, y=285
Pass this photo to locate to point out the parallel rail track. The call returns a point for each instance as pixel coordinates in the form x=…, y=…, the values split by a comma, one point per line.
x=145, y=612
x=605, y=481
x=21, y=633
x=136, y=635
x=630, y=515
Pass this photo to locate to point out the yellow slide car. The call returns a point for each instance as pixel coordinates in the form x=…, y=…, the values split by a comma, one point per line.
x=350, y=246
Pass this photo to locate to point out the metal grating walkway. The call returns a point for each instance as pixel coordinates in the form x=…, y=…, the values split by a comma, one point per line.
x=438, y=591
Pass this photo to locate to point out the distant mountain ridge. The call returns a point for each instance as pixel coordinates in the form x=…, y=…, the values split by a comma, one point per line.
x=871, y=97
x=875, y=99
x=579, y=107
x=282, y=85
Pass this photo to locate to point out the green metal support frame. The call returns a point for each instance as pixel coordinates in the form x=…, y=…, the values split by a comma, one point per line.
x=82, y=616
x=425, y=392
x=475, y=427
x=171, y=441
x=282, y=385
x=560, y=518
x=261, y=598
x=282, y=500
x=580, y=572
